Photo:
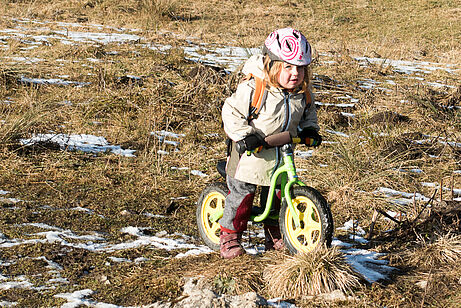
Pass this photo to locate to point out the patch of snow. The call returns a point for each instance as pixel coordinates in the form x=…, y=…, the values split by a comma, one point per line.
x=120, y=260
x=52, y=81
x=10, y=200
x=279, y=303
x=199, y=173
x=337, y=133
x=439, y=85
x=349, y=115
x=26, y=60
x=338, y=243
x=335, y=105
x=304, y=154
x=348, y=97
x=84, y=143
x=370, y=84
x=161, y=240
x=179, y=168
x=154, y=215
x=20, y=282
x=414, y=170
x=179, y=198
x=363, y=261
x=135, y=231
x=95, y=37
x=78, y=298
x=367, y=264
x=456, y=191
x=352, y=225
x=409, y=197
x=408, y=67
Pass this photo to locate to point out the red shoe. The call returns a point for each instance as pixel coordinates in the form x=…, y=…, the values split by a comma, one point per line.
x=273, y=238
x=230, y=245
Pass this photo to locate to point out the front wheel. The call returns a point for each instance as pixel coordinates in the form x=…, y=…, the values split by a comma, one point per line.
x=316, y=221
x=210, y=202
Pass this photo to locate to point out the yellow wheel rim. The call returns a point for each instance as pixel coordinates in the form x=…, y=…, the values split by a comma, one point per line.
x=307, y=236
x=212, y=203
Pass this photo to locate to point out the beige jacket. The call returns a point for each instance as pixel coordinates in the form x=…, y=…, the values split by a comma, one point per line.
x=282, y=111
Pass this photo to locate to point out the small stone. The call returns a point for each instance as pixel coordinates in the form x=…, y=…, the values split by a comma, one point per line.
x=422, y=284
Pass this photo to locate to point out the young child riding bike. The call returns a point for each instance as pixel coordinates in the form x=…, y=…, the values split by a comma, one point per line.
x=288, y=106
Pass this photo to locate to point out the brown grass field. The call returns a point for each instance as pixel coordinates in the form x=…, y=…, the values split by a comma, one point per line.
x=124, y=70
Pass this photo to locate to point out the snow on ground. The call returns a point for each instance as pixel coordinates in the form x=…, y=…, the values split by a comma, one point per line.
x=96, y=242
x=408, y=67
x=407, y=198
x=366, y=262
x=78, y=299
x=52, y=81
x=83, y=142
x=304, y=154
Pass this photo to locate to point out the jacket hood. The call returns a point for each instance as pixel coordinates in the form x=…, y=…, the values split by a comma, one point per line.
x=254, y=65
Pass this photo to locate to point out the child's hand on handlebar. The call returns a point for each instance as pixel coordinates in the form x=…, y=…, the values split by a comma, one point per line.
x=253, y=143
x=310, y=137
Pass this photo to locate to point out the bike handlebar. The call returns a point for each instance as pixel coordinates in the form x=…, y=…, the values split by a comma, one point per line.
x=276, y=140
x=279, y=139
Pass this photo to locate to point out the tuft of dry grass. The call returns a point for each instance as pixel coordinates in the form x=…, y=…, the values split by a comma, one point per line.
x=445, y=249
x=322, y=271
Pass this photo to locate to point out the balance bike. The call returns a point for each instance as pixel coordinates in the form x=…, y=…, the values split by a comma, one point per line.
x=305, y=218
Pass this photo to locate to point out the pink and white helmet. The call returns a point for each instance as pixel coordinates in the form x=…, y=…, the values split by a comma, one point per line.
x=288, y=45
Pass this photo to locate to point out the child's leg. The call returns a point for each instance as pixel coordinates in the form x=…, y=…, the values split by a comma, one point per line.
x=237, y=211
x=237, y=208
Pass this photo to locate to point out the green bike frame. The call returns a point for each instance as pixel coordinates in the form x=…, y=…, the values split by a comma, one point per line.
x=288, y=177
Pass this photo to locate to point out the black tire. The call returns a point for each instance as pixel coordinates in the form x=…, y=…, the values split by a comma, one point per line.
x=210, y=200
x=316, y=227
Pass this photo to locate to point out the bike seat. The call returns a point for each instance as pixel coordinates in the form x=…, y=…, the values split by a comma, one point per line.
x=221, y=166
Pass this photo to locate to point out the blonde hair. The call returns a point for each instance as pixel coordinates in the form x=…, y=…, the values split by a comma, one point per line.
x=272, y=70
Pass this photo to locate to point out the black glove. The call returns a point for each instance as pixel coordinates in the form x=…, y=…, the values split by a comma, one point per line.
x=252, y=143
x=310, y=137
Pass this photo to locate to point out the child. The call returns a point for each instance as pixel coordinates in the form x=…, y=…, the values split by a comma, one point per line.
x=288, y=106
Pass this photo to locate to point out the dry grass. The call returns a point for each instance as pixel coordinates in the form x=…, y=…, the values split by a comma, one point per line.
x=443, y=250
x=388, y=28
x=235, y=276
x=322, y=271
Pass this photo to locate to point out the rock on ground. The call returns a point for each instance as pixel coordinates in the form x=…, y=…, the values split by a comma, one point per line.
x=197, y=293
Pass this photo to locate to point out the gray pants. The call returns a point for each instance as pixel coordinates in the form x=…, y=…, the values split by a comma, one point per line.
x=238, y=204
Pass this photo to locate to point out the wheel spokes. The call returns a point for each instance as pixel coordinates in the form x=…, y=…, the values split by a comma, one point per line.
x=218, y=206
x=213, y=205
x=310, y=227
x=311, y=224
x=215, y=227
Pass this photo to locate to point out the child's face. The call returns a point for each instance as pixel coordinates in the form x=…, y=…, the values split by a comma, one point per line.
x=291, y=76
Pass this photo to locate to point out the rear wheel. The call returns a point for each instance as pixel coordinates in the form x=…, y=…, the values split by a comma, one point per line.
x=316, y=221
x=211, y=201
